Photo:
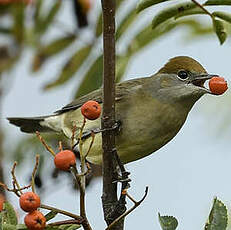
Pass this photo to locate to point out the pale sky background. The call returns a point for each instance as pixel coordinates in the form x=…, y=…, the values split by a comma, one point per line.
x=185, y=175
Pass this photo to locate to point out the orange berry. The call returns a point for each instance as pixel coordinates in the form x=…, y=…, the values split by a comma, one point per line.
x=217, y=85
x=91, y=110
x=29, y=201
x=2, y=200
x=64, y=160
x=35, y=220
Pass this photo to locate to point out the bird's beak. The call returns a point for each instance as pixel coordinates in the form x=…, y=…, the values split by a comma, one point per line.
x=200, y=80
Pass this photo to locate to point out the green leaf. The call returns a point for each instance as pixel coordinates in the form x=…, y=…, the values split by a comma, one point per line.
x=18, y=25
x=5, y=30
x=217, y=2
x=37, y=14
x=168, y=222
x=147, y=35
x=51, y=49
x=8, y=227
x=222, y=15
x=190, y=12
x=170, y=12
x=93, y=78
x=218, y=217
x=50, y=215
x=52, y=227
x=21, y=227
x=98, y=27
x=71, y=67
x=121, y=66
x=44, y=22
x=10, y=216
x=69, y=227
x=219, y=28
x=126, y=22
x=143, y=4
x=1, y=219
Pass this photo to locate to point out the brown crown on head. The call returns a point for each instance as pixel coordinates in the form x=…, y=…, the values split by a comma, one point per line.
x=182, y=63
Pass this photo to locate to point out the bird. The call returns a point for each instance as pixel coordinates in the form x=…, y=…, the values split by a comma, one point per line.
x=150, y=111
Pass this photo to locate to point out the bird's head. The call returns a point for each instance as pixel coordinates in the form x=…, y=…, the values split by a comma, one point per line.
x=183, y=78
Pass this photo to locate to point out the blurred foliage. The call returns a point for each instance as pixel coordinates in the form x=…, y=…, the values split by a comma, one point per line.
x=28, y=26
x=191, y=8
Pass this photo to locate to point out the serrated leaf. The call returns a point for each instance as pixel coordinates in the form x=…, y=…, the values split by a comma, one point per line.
x=126, y=22
x=143, y=4
x=45, y=21
x=10, y=216
x=50, y=215
x=92, y=79
x=71, y=67
x=217, y=2
x=8, y=227
x=218, y=217
x=51, y=49
x=222, y=15
x=219, y=29
x=171, y=12
x=168, y=222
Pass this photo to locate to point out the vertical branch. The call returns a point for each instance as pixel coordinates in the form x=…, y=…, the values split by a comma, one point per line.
x=109, y=197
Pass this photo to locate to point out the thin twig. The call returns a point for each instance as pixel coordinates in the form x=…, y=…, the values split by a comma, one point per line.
x=136, y=204
x=34, y=172
x=87, y=172
x=48, y=148
x=15, y=179
x=66, y=222
x=203, y=8
x=78, y=178
x=90, y=146
x=15, y=190
x=66, y=213
x=74, y=129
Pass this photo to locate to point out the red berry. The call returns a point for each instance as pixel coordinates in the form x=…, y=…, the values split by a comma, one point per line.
x=217, y=85
x=91, y=110
x=64, y=160
x=35, y=220
x=29, y=201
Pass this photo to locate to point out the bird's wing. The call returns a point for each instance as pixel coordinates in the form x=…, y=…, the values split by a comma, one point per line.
x=122, y=89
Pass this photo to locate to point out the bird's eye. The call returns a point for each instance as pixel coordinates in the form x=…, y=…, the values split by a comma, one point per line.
x=183, y=75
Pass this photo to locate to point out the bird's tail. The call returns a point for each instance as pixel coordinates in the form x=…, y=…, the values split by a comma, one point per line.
x=31, y=124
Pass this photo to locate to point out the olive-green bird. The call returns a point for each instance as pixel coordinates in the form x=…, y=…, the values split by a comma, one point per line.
x=150, y=110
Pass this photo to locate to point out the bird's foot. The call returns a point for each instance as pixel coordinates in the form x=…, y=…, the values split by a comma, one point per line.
x=116, y=127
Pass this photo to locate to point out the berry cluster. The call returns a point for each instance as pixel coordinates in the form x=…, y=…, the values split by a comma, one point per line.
x=30, y=202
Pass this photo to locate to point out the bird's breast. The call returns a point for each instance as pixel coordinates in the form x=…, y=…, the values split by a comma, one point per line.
x=148, y=126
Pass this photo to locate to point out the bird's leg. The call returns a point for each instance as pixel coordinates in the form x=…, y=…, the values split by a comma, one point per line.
x=116, y=127
x=123, y=177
